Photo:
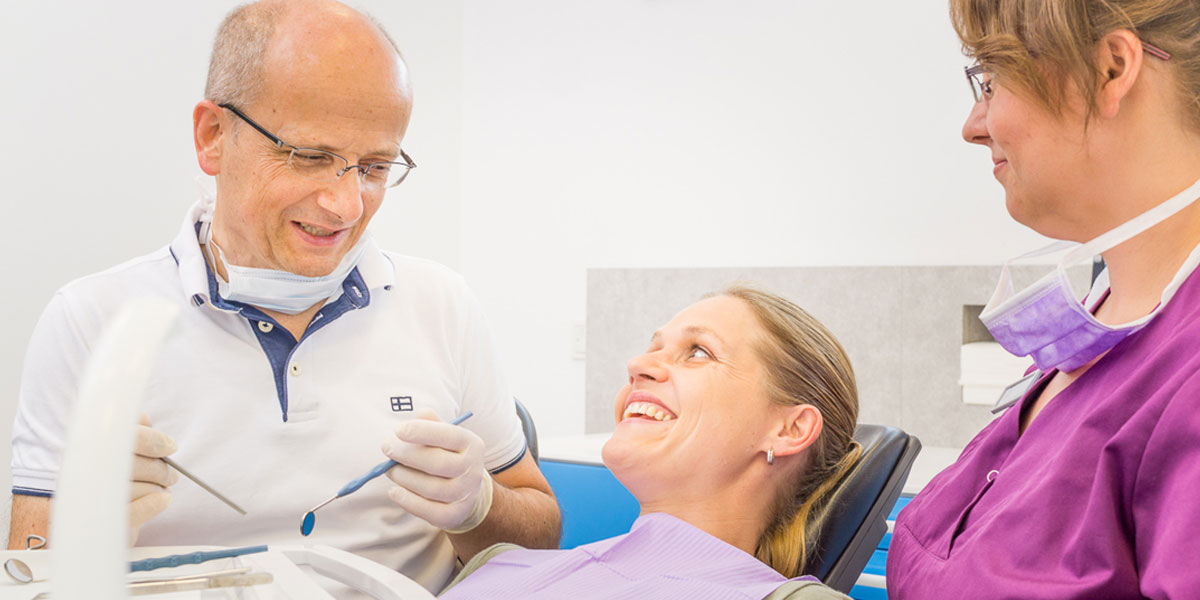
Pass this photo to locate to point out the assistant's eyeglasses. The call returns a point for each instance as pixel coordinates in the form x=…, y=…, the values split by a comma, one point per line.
x=981, y=87
x=320, y=165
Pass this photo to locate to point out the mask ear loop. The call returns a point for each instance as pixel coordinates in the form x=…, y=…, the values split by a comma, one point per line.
x=207, y=243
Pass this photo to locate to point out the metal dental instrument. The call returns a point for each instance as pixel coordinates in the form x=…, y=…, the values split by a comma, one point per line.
x=310, y=518
x=190, y=582
x=193, y=558
x=206, y=487
x=21, y=573
x=221, y=573
x=16, y=568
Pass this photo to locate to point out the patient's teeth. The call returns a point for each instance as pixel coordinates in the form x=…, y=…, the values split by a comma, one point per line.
x=648, y=410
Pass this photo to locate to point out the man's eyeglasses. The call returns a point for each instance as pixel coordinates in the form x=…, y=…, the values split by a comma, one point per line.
x=981, y=88
x=319, y=165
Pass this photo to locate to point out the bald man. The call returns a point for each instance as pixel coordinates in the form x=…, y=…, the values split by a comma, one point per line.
x=302, y=349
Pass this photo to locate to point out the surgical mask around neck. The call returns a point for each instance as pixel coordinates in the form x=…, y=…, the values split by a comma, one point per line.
x=1047, y=323
x=277, y=290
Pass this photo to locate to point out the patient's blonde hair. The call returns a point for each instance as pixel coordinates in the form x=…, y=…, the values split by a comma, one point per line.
x=805, y=364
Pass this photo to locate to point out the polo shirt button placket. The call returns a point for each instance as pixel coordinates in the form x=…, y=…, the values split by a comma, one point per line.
x=266, y=326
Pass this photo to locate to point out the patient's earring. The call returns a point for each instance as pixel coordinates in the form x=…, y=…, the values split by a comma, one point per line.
x=771, y=455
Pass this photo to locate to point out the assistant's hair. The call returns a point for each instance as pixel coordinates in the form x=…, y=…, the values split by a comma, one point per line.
x=1038, y=46
x=235, y=70
x=805, y=364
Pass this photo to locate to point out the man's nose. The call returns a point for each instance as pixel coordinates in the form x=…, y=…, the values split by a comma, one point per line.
x=975, y=128
x=343, y=197
x=647, y=367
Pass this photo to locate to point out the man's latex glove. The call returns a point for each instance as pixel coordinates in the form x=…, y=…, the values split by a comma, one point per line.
x=149, y=495
x=441, y=477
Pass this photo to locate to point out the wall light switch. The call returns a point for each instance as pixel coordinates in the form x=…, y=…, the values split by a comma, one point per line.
x=578, y=341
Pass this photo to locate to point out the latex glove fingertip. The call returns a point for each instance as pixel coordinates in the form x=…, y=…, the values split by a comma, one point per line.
x=396, y=494
x=402, y=430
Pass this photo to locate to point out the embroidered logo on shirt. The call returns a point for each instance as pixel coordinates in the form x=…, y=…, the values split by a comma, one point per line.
x=402, y=404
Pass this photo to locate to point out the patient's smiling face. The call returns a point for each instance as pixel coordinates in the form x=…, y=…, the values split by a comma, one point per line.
x=694, y=410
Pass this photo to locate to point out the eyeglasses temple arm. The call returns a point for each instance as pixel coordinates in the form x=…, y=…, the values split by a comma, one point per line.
x=270, y=136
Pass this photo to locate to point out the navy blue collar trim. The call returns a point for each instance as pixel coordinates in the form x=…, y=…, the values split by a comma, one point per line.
x=279, y=345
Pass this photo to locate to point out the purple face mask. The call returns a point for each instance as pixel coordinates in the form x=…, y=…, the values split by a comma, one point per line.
x=1047, y=323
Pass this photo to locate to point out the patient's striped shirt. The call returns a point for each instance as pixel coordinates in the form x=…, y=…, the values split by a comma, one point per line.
x=661, y=557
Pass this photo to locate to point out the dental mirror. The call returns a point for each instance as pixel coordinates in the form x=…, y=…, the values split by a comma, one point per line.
x=19, y=571
x=310, y=519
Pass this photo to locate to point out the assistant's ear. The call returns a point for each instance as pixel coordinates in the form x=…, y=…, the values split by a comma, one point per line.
x=801, y=427
x=207, y=133
x=1119, y=57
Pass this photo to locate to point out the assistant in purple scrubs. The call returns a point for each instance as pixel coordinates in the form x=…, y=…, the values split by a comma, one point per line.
x=1087, y=486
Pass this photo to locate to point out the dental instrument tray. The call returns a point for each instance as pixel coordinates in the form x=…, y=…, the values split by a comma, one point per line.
x=281, y=573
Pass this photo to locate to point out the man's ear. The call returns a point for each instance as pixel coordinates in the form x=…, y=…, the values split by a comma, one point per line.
x=801, y=426
x=1119, y=58
x=207, y=132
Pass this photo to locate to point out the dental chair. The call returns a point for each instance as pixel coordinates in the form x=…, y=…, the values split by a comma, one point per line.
x=855, y=520
x=530, y=431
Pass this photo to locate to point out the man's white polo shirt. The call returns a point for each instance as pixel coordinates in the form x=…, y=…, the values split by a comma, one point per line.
x=275, y=425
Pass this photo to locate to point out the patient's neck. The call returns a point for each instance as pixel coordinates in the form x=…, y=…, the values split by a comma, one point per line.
x=737, y=515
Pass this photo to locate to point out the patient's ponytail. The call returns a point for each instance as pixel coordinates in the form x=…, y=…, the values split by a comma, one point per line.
x=805, y=364
x=787, y=542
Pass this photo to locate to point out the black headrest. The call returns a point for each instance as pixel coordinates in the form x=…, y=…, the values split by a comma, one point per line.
x=854, y=520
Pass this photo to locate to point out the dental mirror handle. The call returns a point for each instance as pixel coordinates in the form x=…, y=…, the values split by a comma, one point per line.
x=375, y=471
x=193, y=558
x=383, y=467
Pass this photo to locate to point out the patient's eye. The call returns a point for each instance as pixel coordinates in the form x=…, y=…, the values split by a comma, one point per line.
x=699, y=352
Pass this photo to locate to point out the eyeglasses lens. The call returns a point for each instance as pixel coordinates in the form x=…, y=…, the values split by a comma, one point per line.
x=324, y=166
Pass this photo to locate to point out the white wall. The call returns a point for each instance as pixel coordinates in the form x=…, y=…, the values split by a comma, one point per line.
x=552, y=136
x=673, y=133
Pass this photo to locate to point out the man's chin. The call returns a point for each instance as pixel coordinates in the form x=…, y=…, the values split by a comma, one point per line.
x=313, y=268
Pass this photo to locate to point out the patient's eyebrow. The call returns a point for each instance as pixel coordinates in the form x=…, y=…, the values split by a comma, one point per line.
x=696, y=330
x=690, y=330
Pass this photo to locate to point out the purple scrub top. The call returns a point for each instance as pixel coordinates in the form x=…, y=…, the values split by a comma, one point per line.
x=1099, y=498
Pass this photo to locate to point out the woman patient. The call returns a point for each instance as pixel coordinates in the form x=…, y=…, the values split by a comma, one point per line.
x=731, y=431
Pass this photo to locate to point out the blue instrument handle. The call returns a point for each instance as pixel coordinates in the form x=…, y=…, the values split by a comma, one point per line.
x=194, y=558
x=375, y=471
x=382, y=467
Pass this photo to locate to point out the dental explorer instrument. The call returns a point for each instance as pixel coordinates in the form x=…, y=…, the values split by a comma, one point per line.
x=206, y=487
x=310, y=517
